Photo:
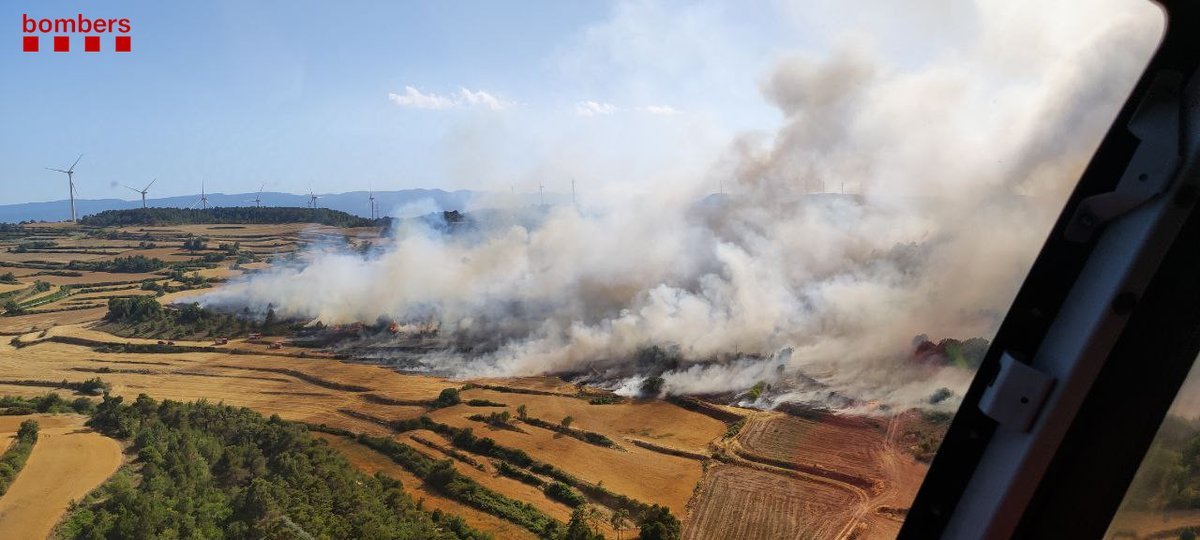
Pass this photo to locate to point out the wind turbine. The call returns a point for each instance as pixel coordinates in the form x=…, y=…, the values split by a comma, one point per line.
x=70, y=172
x=371, y=200
x=257, y=200
x=541, y=194
x=312, y=199
x=143, y=191
x=203, y=202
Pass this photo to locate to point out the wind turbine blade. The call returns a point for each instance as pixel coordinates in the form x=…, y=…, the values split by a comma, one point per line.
x=72, y=167
x=262, y=187
x=150, y=184
x=56, y=170
x=136, y=190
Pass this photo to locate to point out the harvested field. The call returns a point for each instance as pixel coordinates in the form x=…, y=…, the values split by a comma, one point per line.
x=656, y=421
x=643, y=474
x=68, y=461
x=843, y=445
x=370, y=462
x=27, y=323
x=89, y=278
x=738, y=502
x=783, y=476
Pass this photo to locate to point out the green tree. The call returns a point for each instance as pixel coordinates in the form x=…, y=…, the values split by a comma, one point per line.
x=566, y=421
x=657, y=523
x=447, y=398
x=619, y=521
x=582, y=524
x=28, y=431
x=652, y=387
x=522, y=411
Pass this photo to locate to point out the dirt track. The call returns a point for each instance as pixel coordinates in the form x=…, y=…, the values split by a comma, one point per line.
x=68, y=461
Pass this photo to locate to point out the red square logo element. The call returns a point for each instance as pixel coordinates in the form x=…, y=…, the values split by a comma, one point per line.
x=91, y=43
x=62, y=43
x=29, y=44
x=122, y=44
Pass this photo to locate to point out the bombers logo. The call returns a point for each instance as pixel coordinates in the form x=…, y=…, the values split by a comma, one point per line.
x=59, y=29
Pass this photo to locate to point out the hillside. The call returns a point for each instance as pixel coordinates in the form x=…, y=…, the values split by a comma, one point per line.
x=398, y=203
x=248, y=215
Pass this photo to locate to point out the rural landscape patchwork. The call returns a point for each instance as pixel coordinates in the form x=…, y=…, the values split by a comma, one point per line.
x=621, y=270
x=251, y=423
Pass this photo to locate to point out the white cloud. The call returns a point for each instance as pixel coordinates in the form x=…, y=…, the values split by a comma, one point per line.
x=593, y=108
x=481, y=98
x=413, y=98
x=665, y=110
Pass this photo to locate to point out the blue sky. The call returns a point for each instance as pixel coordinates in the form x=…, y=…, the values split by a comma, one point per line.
x=293, y=94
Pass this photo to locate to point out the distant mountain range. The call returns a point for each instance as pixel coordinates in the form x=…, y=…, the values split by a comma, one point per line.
x=409, y=202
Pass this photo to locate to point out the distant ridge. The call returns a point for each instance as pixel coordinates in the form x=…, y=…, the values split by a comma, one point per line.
x=243, y=214
x=422, y=201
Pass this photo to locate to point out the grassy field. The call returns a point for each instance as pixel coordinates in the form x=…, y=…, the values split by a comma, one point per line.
x=776, y=478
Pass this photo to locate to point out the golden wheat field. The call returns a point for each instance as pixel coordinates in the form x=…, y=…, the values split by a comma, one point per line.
x=67, y=462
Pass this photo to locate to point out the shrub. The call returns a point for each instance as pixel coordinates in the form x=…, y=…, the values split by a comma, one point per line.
x=564, y=494
x=13, y=459
x=657, y=523
x=448, y=398
x=134, y=264
x=651, y=387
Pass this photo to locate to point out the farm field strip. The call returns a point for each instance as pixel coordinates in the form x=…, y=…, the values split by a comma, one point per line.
x=370, y=462
x=761, y=490
x=55, y=475
x=791, y=439
x=739, y=502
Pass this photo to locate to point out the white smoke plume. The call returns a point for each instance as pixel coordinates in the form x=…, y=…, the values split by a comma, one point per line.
x=955, y=170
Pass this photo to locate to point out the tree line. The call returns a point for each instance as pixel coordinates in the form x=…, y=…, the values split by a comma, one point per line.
x=13, y=459
x=215, y=471
x=234, y=214
x=145, y=317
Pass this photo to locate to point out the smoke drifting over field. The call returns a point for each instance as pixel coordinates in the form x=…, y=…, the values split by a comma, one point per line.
x=955, y=170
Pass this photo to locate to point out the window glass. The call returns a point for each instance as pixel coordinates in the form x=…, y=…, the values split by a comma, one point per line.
x=1163, y=500
x=706, y=269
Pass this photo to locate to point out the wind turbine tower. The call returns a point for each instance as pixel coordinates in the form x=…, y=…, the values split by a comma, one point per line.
x=143, y=191
x=258, y=196
x=203, y=202
x=312, y=199
x=371, y=202
x=541, y=194
x=573, y=201
x=70, y=172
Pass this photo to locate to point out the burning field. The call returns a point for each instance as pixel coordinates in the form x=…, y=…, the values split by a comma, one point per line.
x=617, y=449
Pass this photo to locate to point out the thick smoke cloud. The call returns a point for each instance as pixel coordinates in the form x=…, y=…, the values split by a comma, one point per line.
x=953, y=172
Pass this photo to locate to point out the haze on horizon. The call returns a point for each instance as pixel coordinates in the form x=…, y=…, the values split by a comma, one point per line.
x=389, y=96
